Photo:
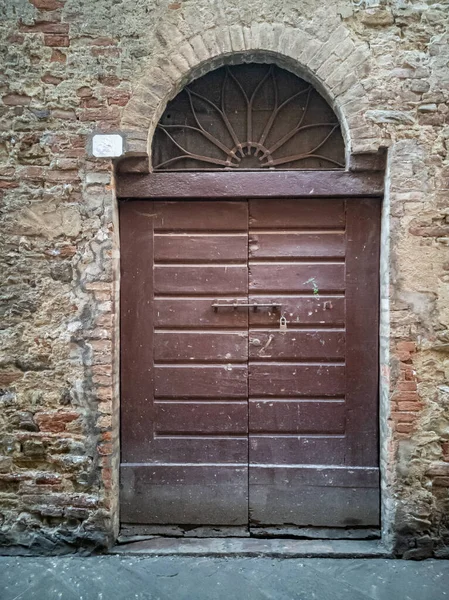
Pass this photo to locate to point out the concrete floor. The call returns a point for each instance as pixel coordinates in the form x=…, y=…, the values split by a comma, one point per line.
x=194, y=578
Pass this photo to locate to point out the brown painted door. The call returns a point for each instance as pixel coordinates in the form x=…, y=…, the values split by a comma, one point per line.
x=227, y=417
x=184, y=365
x=313, y=388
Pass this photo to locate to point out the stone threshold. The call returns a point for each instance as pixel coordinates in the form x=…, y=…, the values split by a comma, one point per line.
x=252, y=547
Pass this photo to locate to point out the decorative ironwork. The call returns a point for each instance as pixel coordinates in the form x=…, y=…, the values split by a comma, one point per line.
x=248, y=117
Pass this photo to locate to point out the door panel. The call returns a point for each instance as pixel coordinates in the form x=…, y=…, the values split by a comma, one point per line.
x=319, y=310
x=212, y=248
x=200, y=215
x=322, y=497
x=301, y=213
x=185, y=374
x=216, y=417
x=294, y=449
x=224, y=414
x=296, y=344
x=205, y=279
x=202, y=381
x=296, y=277
x=182, y=346
x=185, y=495
x=296, y=245
x=296, y=416
x=312, y=403
x=195, y=313
x=295, y=380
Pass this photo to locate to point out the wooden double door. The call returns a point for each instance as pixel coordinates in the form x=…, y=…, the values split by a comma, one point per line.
x=249, y=362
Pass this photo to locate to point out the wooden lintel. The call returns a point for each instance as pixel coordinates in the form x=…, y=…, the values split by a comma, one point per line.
x=251, y=184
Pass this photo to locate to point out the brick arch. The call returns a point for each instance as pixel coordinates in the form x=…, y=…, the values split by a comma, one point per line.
x=333, y=67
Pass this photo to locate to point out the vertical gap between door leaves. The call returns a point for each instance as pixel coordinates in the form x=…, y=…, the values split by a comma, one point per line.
x=248, y=204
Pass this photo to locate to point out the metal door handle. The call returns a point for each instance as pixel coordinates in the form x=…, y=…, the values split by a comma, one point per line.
x=253, y=305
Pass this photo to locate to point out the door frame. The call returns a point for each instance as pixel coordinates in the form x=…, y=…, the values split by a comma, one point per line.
x=365, y=181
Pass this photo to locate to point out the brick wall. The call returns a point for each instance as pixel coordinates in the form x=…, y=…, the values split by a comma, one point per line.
x=74, y=66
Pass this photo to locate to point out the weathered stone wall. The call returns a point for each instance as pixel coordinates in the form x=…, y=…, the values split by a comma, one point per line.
x=73, y=66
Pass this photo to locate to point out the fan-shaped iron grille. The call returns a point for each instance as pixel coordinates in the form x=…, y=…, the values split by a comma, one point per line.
x=251, y=117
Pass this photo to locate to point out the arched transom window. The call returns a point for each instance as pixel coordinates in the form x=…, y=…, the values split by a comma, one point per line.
x=251, y=116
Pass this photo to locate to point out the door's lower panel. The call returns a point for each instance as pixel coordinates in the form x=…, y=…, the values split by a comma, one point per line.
x=313, y=496
x=184, y=494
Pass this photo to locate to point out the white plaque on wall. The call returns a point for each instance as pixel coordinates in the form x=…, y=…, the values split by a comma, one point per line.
x=107, y=145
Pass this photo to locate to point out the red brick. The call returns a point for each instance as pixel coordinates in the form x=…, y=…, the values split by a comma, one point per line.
x=92, y=103
x=445, y=449
x=103, y=41
x=55, y=422
x=99, y=286
x=438, y=469
x=66, y=115
x=8, y=185
x=58, y=56
x=99, y=114
x=48, y=478
x=410, y=406
x=79, y=500
x=8, y=377
x=56, y=41
x=62, y=176
x=407, y=346
x=405, y=396
x=102, y=296
x=67, y=251
x=410, y=375
x=105, y=408
x=102, y=370
x=14, y=477
x=51, y=79
x=407, y=386
x=104, y=320
x=67, y=164
x=45, y=27
x=110, y=125
x=118, y=97
x=403, y=417
x=101, y=345
x=407, y=417
x=47, y=4
x=109, y=80
x=404, y=355
x=105, y=449
x=441, y=481
x=101, y=51
x=106, y=475
x=34, y=488
x=84, y=92
x=101, y=380
x=16, y=100
x=104, y=393
x=15, y=38
x=104, y=421
x=7, y=171
x=32, y=173
x=404, y=427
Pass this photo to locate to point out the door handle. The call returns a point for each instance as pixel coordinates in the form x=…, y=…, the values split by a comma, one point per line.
x=253, y=305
